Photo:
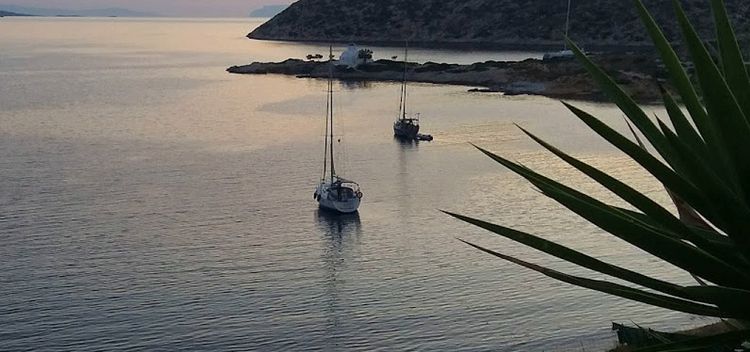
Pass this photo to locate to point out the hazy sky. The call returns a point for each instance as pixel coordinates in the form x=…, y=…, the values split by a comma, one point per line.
x=200, y=8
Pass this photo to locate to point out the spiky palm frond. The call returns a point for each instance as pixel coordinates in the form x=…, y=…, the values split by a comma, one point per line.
x=703, y=162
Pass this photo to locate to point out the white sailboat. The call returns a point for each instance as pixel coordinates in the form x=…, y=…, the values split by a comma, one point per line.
x=334, y=193
x=565, y=53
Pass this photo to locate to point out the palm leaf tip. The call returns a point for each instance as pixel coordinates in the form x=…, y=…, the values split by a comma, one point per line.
x=612, y=288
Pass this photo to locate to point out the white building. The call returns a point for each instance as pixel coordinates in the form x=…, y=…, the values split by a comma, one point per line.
x=350, y=57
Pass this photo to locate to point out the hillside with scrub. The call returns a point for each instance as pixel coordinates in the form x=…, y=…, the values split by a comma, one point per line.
x=489, y=23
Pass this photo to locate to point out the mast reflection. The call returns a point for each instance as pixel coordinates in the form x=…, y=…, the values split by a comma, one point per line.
x=340, y=237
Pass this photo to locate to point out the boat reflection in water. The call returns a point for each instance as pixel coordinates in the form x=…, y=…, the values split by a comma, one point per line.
x=340, y=238
x=406, y=143
x=353, y=84
x=336, y=225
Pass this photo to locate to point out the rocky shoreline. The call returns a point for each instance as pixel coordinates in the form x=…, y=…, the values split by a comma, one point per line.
x=507, y=45
x=558, y=78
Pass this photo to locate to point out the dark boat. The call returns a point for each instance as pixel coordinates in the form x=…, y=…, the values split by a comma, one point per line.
x=642, y=338
x=406, y=127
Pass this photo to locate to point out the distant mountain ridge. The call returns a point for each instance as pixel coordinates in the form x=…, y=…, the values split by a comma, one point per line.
x=508, y=23
x=105, y=12
x=8, y=13
x=268, y=11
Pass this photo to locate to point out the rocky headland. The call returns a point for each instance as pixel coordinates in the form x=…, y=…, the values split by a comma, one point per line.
x=558, y=78
x=499, y=24
x=611, y=27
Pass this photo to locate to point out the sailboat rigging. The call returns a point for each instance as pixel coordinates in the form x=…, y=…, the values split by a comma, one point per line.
x=406, y=127
x=334, y=192
x=567, y=23
x=565, y=53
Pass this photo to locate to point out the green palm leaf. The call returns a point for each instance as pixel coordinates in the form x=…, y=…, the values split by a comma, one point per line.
x=678, y=77
x=721, y=104
x=681, y=82
x=728, y=298
x=714, y=239
x=631, y=109
x=579, y=258
x=684, y=129
x=627, y=193
x=723, y=200
x=660, y=244
x=731, y=56
x=670, y=179
x=616, y=289
x=703, y=163
x=663, y=219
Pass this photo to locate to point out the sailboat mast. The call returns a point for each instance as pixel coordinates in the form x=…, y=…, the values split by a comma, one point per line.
x=567, y=24
x=406, y=67
x=325, y=142
x=330, y=102
x=402, y=103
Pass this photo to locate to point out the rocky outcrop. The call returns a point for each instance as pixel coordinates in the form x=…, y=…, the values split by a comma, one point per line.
x=294, y=67
x=486, y=23
x=562, y=78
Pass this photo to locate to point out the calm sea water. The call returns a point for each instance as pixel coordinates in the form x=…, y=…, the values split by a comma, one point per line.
x=151, y=201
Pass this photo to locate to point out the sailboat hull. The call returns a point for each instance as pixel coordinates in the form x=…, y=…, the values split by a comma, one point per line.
x=347, y=207
x=405, y=130
x=338, y=198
